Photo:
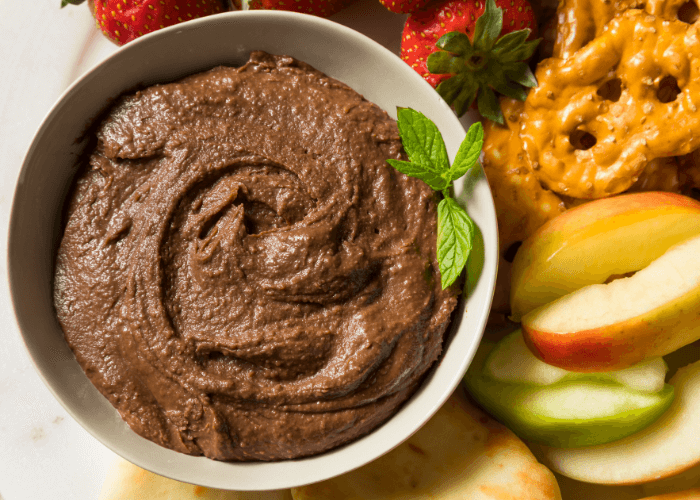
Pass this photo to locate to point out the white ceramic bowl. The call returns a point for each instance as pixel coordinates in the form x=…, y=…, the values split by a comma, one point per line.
x=166, y=55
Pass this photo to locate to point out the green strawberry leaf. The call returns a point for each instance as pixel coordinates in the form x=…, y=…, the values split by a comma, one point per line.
x=454, y=240
x=468, y=152
x=488, y=27
x=457, y=42
x=422, y=141
x=488, y=104
x=449, y=89
x=432, y=179
x=466, y=97
x=71, y=2
x=520, y=53
x=511, y=41
x=520, y=72
x=509, y=89
x=441, y=62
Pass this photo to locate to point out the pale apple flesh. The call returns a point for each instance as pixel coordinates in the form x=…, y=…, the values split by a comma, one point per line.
x=566, y=413
x=622, y=323
x=589, y=243
x=667, y=447
x=512, y=361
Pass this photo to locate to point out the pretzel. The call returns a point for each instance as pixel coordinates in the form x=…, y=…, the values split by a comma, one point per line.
x=580, y=21
x=682, y=10
x=631, y=95
x=522, y=204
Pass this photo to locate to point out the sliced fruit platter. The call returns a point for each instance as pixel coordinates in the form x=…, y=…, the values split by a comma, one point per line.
x=591, y=120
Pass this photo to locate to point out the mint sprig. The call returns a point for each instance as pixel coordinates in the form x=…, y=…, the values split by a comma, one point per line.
x=429, y=162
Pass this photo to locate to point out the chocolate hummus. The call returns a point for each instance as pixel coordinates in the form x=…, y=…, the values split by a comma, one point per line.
x=241, y=274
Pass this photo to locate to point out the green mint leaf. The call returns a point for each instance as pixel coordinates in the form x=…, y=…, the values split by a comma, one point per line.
x=426, y=150
x=488, y=104
x=468, y=152
x=488, y=27
x=434, y=180
x=422, y=141
x=455, y=235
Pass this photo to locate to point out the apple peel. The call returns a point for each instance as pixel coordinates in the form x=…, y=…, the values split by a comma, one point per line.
x=667, y=447
x=614, y=326
x=589, y=243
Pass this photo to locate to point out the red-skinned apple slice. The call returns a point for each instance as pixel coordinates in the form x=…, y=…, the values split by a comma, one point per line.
x=590, y=243
x=667, y=447
x=616, y=325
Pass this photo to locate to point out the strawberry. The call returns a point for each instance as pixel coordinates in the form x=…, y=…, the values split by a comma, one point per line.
x=467, y=49
x=404, y=6
x=124, y=20
x=321, y=8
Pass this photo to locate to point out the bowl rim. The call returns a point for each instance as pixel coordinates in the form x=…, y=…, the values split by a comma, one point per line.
x=296, y=472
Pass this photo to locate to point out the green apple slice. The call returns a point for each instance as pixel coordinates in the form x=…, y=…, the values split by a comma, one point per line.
x=512, y=361
x=566, y=414
x=666, y=448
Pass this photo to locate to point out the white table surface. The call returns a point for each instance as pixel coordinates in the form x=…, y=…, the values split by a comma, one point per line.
x=44, y=453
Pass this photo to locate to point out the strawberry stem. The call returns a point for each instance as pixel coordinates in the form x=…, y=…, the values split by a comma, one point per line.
x=484, y=65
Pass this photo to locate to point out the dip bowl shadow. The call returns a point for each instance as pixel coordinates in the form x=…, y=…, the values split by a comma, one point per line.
x=56, y=153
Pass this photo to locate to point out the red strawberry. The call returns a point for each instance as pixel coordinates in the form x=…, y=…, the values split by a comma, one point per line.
x=404, y=6
x=468, y=49
x=124, y=20
x=321, y=8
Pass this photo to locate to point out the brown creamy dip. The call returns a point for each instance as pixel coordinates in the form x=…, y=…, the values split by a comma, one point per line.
x=242, y=275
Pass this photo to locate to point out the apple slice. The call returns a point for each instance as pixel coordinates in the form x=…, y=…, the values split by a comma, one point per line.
x=512, y=361
x=603, y=238
x=667, y=447
x=567, y=413
x=622, y=323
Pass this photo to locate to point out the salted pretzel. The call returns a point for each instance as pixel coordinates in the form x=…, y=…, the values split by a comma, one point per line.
x=522, y=204
x=580, y=21
x=683, y=10
x=631, y=95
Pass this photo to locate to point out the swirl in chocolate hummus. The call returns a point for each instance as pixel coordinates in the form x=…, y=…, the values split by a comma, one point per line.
x=242, y=275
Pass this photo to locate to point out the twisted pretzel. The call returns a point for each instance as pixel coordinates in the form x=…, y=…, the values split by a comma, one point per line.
x=683, y=10
x=631, y=95
x=580, y=21
x=522, y=204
